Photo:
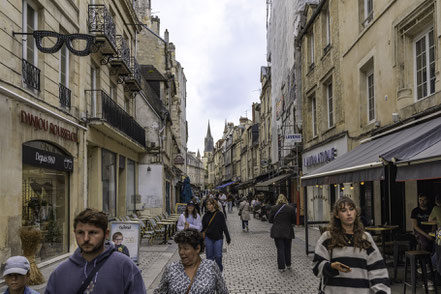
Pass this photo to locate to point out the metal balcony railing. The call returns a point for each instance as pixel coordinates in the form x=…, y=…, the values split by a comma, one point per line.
x=64, y=95
x=133, y=80
x=101, y=106
x=123, y=53
x=31, y=75
x=100, y=22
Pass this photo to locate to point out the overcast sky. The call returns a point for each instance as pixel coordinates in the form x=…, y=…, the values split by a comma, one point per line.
x=221, y=44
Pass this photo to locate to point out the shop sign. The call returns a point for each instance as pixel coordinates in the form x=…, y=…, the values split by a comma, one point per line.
x=45, y=159
x=319, y=197
x=179, y=159
x=43, y=124
x=321, y=157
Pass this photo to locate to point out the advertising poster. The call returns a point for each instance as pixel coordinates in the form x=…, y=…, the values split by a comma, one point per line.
x=131, y=232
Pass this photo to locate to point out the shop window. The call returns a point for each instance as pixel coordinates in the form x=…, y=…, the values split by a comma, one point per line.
x=130, y=186
x=109, y=182
x=45, y=200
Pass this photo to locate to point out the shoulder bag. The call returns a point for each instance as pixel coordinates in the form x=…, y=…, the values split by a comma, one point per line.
x=192, y=280
x=203, y=232
x=92, y=274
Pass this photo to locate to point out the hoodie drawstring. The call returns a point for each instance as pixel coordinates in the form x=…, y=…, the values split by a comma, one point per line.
x=85, y=270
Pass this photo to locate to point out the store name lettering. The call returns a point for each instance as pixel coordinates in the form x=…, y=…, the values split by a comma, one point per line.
x=43, y=124
x=319, y=197
x=44, y=158
x=322, y=157
x=125, y=227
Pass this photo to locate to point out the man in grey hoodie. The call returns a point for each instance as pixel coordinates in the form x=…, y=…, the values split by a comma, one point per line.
x=117, y=274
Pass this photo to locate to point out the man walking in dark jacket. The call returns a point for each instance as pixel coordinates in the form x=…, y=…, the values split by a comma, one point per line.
x=95, y=263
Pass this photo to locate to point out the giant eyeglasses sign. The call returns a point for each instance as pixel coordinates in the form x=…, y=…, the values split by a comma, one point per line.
x=78, y=44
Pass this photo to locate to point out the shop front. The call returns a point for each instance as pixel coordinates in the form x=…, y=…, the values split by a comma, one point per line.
x=41, y=177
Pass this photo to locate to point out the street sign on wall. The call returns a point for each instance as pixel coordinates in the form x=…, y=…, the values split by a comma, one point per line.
x=293, y=138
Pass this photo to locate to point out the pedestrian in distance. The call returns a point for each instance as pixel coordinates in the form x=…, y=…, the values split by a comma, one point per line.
x=230, y=200
x=346, y=257
x=223, y=203
x=16, y=275
x=282, y=216
x=191, y=274
x=244, y=213
x=117, y=239
x=95, y=267
x=213, y=229
x=189, y=219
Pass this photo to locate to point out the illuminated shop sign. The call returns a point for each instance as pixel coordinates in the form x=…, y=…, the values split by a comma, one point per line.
x=320, y=158
x=40, y=123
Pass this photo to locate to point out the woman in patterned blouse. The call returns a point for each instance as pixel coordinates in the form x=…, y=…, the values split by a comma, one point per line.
x=192, y=274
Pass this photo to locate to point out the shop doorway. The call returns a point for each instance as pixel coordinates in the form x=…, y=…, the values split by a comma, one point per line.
x=45, y=195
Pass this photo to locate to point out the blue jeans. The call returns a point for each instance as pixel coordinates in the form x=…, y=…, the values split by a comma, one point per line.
x=213, y=250
x=230, y=206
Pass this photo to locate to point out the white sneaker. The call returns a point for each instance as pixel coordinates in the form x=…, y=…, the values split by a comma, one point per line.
x=430, y=285
x=281, y=270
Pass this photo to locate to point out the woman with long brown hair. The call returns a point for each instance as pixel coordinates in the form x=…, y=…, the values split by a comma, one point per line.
x=346, y=257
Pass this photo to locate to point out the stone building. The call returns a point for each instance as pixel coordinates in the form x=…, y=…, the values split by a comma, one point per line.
x=70, y=138
x=390, y=106
x=195, y=170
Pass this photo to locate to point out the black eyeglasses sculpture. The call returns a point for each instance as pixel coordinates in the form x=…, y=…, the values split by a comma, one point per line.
x=60, y=39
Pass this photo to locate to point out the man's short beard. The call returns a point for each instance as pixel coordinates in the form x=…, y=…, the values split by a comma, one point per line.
x=95, y=249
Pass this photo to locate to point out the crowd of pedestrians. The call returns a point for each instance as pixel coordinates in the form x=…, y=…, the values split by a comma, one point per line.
x=346, y=257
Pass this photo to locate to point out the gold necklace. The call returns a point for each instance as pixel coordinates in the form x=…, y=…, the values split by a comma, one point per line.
x=350, y=239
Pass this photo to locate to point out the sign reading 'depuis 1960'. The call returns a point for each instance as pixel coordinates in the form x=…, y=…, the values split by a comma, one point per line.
x=40, y=123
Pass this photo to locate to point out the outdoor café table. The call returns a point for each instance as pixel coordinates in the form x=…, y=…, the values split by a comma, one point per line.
x=167, y=224
x=383, y=230
x=429, y=223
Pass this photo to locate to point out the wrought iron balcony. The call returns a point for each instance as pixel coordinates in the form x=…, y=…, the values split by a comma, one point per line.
x=101, y=24
x=31, y=75
x=133, y=80
x=100, y=106
x=64, y=95
x=121, y=61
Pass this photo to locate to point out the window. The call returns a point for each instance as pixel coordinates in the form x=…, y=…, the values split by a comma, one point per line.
x=370, y=97
x=368, y=9
x=93, y=74
x=113, y=91
x=109, y=182
x=330, y=102
x=314, y=116
x=326, y=30
x=64, y=66
x=130, y=186
x=425, y=65
x=30, y=23
x=311, y=49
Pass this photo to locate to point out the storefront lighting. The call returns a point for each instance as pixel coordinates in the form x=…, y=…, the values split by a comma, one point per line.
x=316, y=186
x=321, y=186
x=342, y=188
x=335, y=185
x=352, y=187
x=362, y=183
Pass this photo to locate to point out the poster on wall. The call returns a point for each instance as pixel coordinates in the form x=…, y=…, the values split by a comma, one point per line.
x=131, y=232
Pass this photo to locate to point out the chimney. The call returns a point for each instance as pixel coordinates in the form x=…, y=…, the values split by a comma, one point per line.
x=166, y=36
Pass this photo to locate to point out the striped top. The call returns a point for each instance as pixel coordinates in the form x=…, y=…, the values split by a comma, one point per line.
x=368, y=274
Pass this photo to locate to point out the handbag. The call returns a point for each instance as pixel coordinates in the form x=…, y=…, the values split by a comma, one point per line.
x=323, y=281
x=203, y=232
x=92, y=274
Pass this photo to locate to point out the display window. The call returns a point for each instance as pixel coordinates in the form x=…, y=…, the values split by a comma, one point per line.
x=109, y=182
x=45, y=196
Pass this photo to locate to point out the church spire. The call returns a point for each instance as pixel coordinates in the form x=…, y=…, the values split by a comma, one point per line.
x=209, y=142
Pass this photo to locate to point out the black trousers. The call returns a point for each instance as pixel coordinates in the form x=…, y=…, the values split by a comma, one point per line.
x=283, y=252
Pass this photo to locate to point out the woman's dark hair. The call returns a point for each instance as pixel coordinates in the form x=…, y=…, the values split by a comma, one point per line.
x=338, y=237
x=93, y=217
x=192, y=237
x=194, y=213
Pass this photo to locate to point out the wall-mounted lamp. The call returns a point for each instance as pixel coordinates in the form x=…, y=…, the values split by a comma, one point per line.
x=362, y=183
x=352, y=187
x=149, y=168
